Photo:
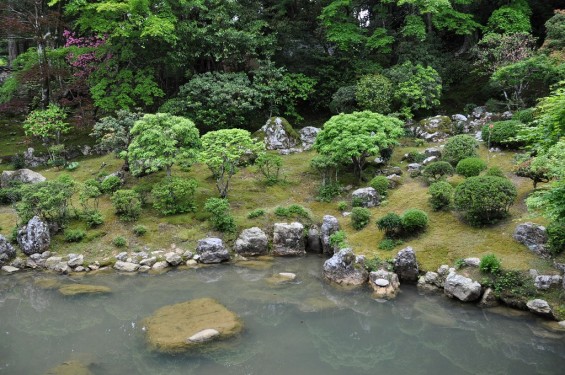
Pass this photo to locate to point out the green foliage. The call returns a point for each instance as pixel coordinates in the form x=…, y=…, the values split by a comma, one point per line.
x=347, y=138
x=223, y=150
x=270, y=166
x=221, y=217
x=525, y=116
x=72, y=166
x=344, y=100
x=127, y=204
x=92, y=217
x=256, y=213
x=374, y=93
x=555, y=31
x=489, y=264
x=437, y=171
x=174, y=195
x=513, y=284
x=8, y=89
x=484, y=199
x=556, y=237
x=74, y=235
x=391, y=224
x=360, y=217
x=342, y=206
x=502, y=133
x=119, y=242
x=113, y=134
x=388, y=244
x=380, y=184
x=460, y=263
x=110, y=184
x=47, y=124
x=509, y=19
x=338, y=240
x=327, y=167
x=294, y=210
x=414, y=221
x=460, y=147
x=139, y=230
x=494, y=51
x=415, y=157
x=470, y=167
x=161, y=140
x=12, y=193
x=495, y=172
x=327, y=192
x=441, y=193
x=524, y=168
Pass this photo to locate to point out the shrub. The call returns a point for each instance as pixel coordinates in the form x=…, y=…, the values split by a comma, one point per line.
x=513, y=283
x=501, y=133
x=221, y=217
x=119, y=241
x=357, y=202
x=270, y=166
x=440, y=193
x=495, y=172
x=525, y=116
x=360, y=217
x=460, y=147
x=327, y=192
x=74, y=235
x=298, y=210
x=437, y=171
x=174, y=195
x=489, y=264
x=92, y=217
x=256, y=213
x=11, y=193
x=374, y=93
x=337, y=239
x=139, y=230
x=380, y=184
x=144, y=190
x=414, y=221
x=110, y=184
x=391, y=224
x=389, y=244
x=415, y=157
x=127, y=204
x=72, y=166
x=342, y=206
x=282, y=211
x=556, y=237
x=470, y=167
x=343, y=100
x=484, y=199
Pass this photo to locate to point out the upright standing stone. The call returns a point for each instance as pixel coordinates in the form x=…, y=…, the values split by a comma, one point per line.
x=330, y=225
x=288, y=239
x=34, y=237
x=406, y=266
x=212, y=250
x=251, y=242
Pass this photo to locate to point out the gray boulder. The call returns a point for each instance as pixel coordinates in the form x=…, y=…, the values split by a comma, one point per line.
x=434, y=128
x=173, y=258
x=330, y=225
x=288, y=239
x=429, y=160
x=308, y=136
x=472, y=262
x=385, y=284
x=251, y=242
x=544, y=282
x=414, y=169
x=32, y=160
x=34, y=237
x=25, y=176
x=345, y=268
x=75, y=260
x=126, y=266
x=368, y=197
x=462, y=288
x=432, y=151
x=211, y=250
x=10, y=269
x=533, y=236
x=540, y=307
x=488, y=299
x=406, y=266
x=314, y=241
x=278, y=134
x=7, y=251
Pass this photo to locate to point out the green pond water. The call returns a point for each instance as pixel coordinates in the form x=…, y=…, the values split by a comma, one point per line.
x=305, y=327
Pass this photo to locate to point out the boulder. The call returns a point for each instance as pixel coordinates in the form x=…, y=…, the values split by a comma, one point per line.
x=544, y=282
x=308, y=136
x=31, y=160
x=533, y=236
x=148, y=262
x=367, y=197
x=173, y=259
x=345, y=268
x=472, y=262
x=34, y=237
x=288, y=239
x=406, y=266
x=251, y=242
x=25, y=176
x=462, y=288
x=330, y=225
x=314, y=240
x=158, y=266
x=126, y=266
x=278, y=134
x=540, y=307
x=431, y=281
x=182, y=326
x=429, y=160
x=394, y=181
x=7, y=251
x=385, y=284
x=432, y=151
x=212, y=250
x=123, y=256
x=434, y=128
x=75, y=260
x=414, y=169
x=10, y=269
x=488, y=299
x=61, y=267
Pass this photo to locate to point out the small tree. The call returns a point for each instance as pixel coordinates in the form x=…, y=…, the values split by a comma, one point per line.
x=391, y=224
x=161, y=140
x=223, y=151
x=221, y=217
x=374, y=93
x=440, y=195
x=356, y=136
x=437, y=171
x=460, y=147
x=127, y=204
x=360, y=217
x=470, y=167
x=270, y=166
x=174, y=195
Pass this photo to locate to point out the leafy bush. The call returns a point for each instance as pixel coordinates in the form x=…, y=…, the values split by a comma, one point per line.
x=72, y=166
x=391, y=224
x=119, y=241
x=221, y=217
x=437, y=171
x=144, y=190
x=92, y=217
x=501, y=133
x=360, y=217
x=460, y=147
x=513, y=283
x=342, y=206
x=415, y=157
x=110, y=184
x=525, y=116
x=256, y=213
x=389, y=244
x=374, y=93
x=292, y=210
x=74, y=235
x=282, y=211
x=470, y=167
x=270, y=166
x=337, y=239
x=495, y=172
x=441, y=193
x=343, y=100
x=489, y=264
x=11, y=193
x=139, y=230
x=484, y=199
x=127, y=204
x=47, y=124
x=556, y=237
x=414, y=221
x=174, y=195
x=380, y=184
x=327, y=192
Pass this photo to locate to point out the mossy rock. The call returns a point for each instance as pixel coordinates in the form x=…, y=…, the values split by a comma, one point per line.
x=79, y=289
x=70, y=368
x=278, y=134
x=434, y=124
x=168, y=330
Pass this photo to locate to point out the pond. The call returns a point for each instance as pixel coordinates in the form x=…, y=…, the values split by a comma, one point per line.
x=303, y=327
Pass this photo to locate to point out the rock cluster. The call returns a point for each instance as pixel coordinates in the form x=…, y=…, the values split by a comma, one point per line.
x=534, y=237
x=279, y=135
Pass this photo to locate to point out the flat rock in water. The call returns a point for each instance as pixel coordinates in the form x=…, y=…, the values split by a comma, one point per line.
x=282, y=278
x=10, y=269
x=78, y=289
x=171, y=328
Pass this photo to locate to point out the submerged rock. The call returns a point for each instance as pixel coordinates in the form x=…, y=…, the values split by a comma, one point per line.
x=281, y=278
x=177, y=328
x=346, y=268
x=78, y=289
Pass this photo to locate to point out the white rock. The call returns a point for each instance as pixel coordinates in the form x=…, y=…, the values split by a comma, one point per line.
x=204, y=335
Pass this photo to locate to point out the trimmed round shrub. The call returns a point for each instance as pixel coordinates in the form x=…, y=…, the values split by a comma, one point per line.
x=524, y=116
x=556, y=237
x=501, y=133
x=437, y=171
x=470, y=167
x=380, y=184
x=484, y=199
x=139, y=230
x=489, y=264
x=119, y=241
x=127, y=204
x=374, y=93
x=440, y=193
x=391, y=224
x=414, y=221
x=343, y=100
x=360, y=217
x=174, y=195
x=92, y=217
x=110, y=184
x=460, y=147
x=495, y=171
